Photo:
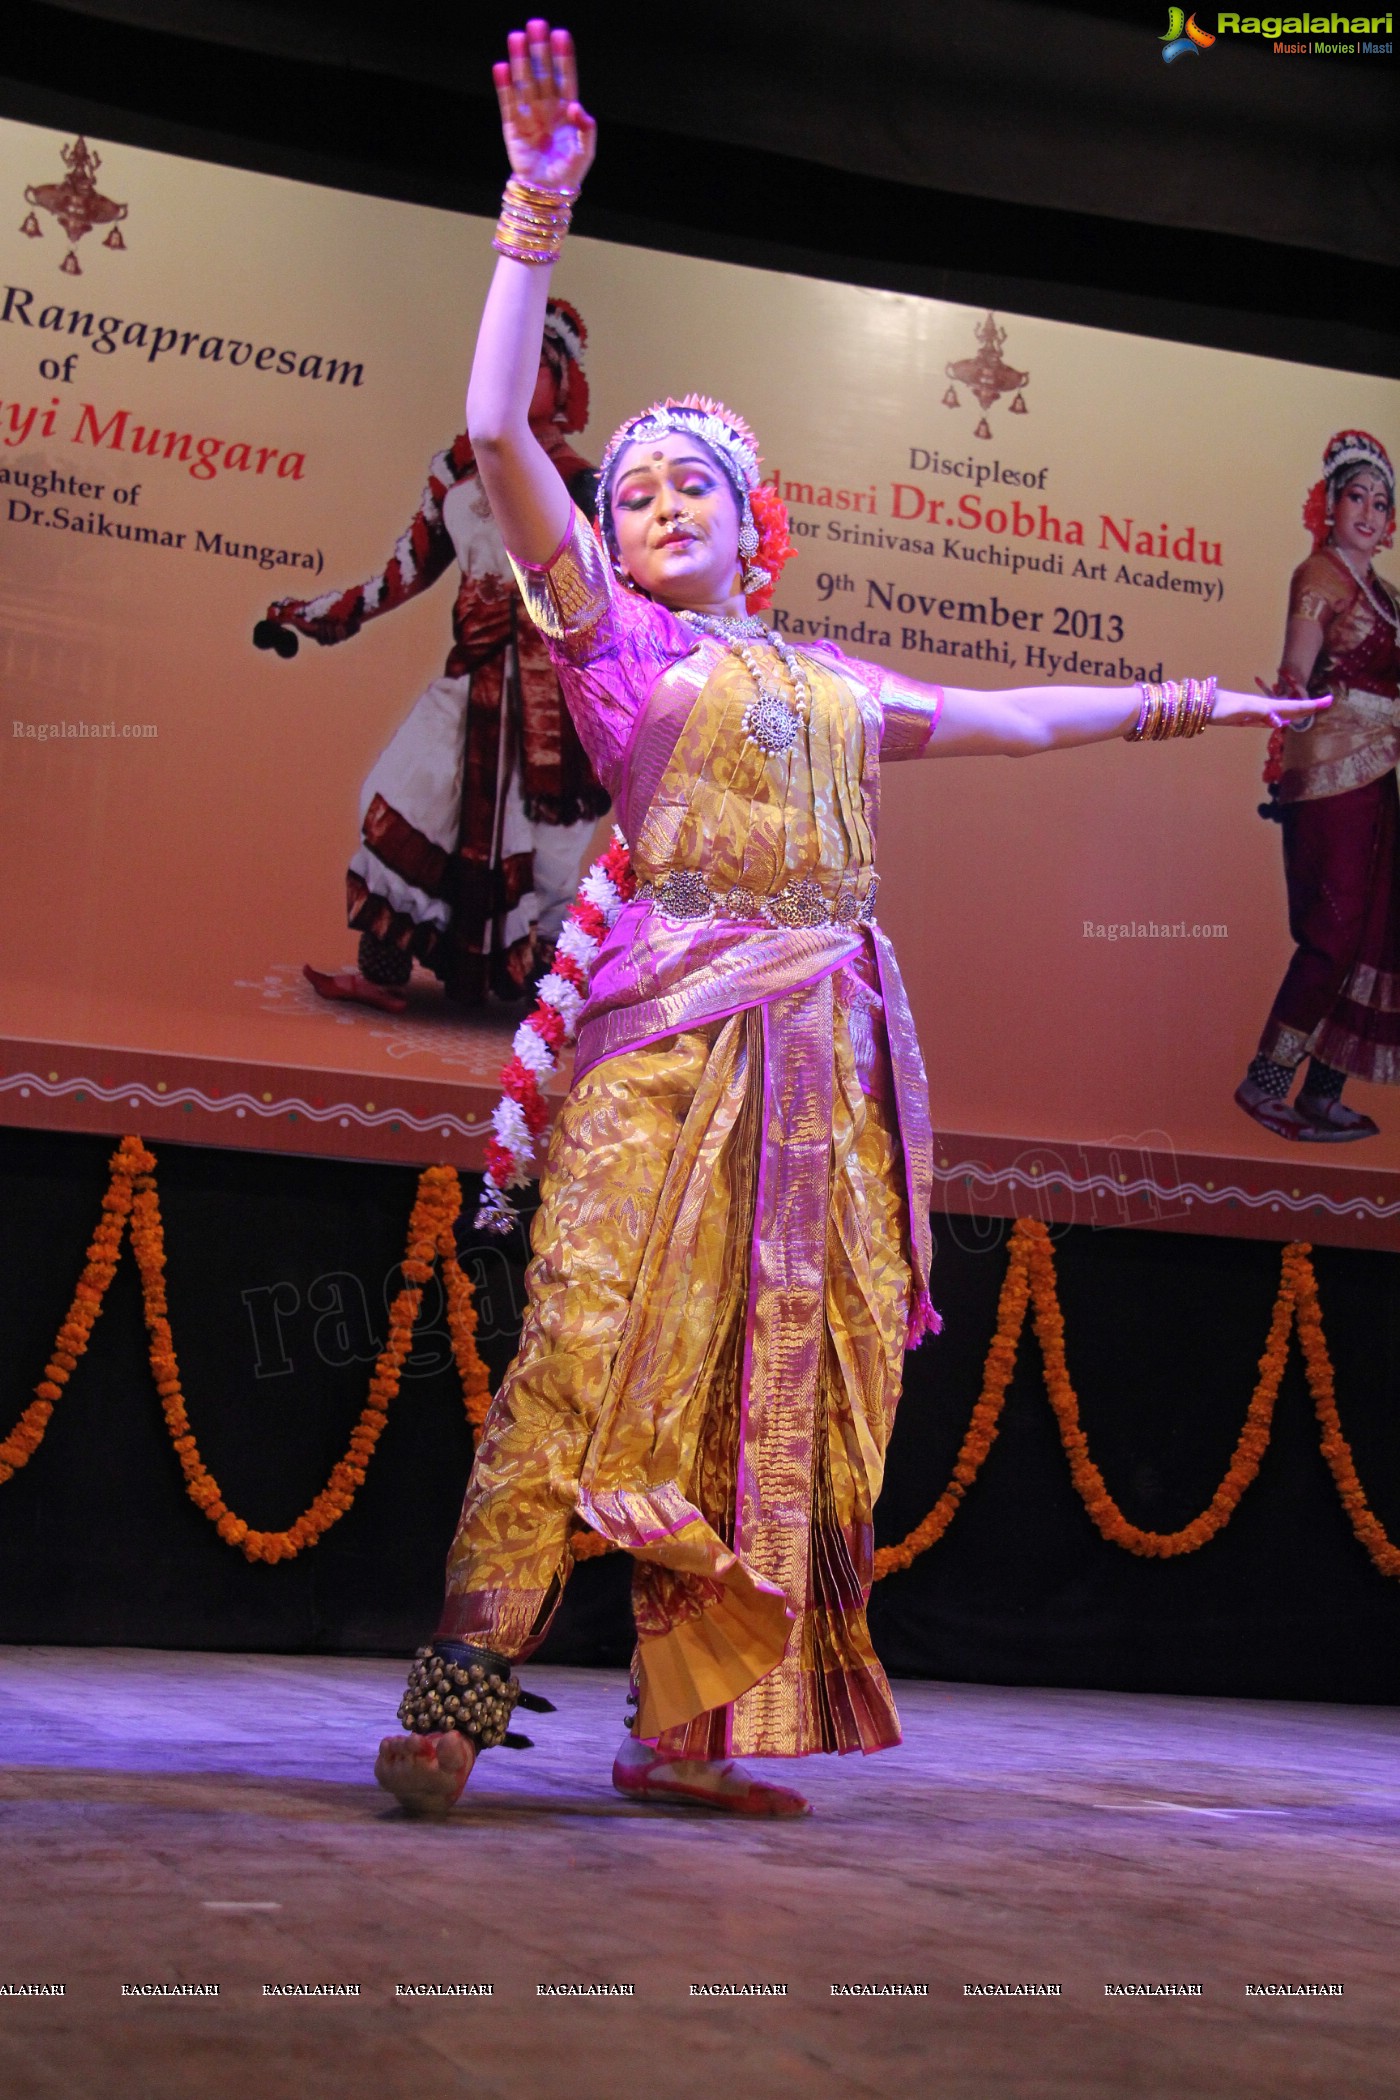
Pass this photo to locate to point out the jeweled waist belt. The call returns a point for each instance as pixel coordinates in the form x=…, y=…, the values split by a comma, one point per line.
x=684, y=894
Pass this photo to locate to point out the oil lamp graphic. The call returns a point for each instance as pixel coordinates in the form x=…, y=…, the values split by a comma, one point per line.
x=987, y=376
x=76, y=203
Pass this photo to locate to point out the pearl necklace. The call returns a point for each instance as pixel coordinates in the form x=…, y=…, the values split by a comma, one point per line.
x=771, y=720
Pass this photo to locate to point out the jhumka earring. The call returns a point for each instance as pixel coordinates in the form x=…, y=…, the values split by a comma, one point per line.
x=754, y=576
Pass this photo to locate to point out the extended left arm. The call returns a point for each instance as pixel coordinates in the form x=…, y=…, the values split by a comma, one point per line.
x=1026, y=719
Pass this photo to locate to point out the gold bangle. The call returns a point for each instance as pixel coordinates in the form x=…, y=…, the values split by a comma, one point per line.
x=544, y=196
x=1159, y=717
x=1149, y=715
x=1206, y=690
x=1162, y=712
x=1198, y=704
x=534, y=220
x=520, y=212
x=1173, y=709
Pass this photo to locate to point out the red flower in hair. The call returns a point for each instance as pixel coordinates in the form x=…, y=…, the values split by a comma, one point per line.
x=1315, y=513
x=775, y=549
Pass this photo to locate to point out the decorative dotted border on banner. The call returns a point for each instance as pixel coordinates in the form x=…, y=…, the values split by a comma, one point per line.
x=136, y=1093
x=1003, y=1179
x=947, y=1174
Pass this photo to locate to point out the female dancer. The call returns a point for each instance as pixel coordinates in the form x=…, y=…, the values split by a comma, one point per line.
x=1335, y=793
x=732, y=1249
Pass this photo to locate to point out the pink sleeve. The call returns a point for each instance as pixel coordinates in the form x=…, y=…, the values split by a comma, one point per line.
x=609, y=645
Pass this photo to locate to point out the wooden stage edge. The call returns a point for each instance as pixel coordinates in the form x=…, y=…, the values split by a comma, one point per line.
x=980, y=1180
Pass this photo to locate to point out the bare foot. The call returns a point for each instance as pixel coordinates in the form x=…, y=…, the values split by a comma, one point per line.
x=703, y=1783
x=349, y=984
x=1332, y=1122
x=425, y=1773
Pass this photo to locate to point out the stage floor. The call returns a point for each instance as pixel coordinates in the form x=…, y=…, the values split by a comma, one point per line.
x=210, y=1819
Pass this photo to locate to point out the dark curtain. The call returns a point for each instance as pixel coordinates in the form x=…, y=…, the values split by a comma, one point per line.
x=277, y=1274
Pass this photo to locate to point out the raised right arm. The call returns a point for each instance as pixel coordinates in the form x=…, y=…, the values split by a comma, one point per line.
x=550, y=140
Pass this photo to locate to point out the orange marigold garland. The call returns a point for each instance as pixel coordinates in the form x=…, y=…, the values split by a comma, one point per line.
x=131, y=1200
x=1107, y=1517
x=130, y=1158
x=1029, y=1280
x=1030, y=1277
x=1335, y=1448
x=461, y=1325
x=434, y=1214
x=986, y=1418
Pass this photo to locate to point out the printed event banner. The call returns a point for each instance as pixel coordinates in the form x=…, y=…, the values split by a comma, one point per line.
x=219, y=388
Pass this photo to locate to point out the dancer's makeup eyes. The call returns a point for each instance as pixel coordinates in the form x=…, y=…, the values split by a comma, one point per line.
x=635, y=495
x=640, y=494
x=1366, y=498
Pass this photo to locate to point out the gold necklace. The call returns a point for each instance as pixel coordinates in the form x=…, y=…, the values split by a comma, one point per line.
x=771, y=720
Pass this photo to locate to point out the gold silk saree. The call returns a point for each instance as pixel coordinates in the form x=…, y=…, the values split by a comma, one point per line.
x=731, y=1250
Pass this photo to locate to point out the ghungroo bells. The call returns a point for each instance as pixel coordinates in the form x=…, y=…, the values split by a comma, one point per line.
x=456, y=1688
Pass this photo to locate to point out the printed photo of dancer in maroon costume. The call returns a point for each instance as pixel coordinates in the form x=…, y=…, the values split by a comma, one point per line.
x=477, y=816
x=1332, y=786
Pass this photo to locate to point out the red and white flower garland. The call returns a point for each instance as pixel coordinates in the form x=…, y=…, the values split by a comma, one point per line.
x=522, y=1113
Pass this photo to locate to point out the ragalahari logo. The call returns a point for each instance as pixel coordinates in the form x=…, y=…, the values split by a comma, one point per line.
x=1183, y=37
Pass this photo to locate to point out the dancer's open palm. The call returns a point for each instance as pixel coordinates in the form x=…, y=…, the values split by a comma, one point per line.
x=549, y=135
